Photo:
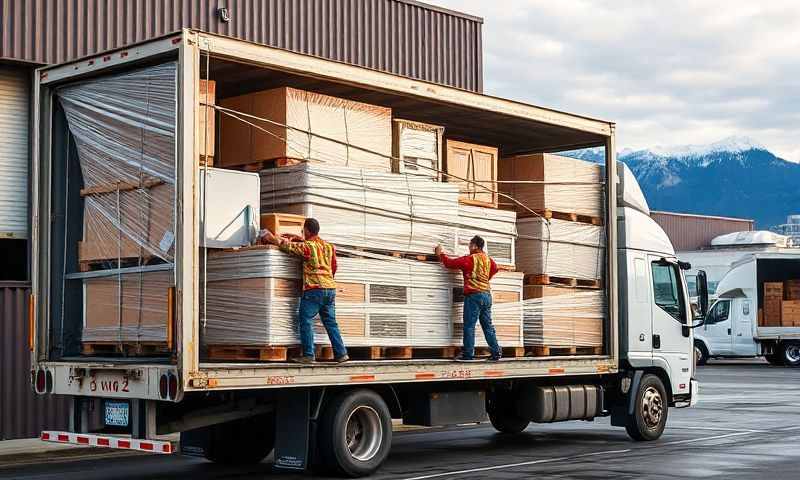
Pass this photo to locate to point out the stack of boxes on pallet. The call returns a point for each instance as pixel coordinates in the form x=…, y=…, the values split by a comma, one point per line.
x=781, y=306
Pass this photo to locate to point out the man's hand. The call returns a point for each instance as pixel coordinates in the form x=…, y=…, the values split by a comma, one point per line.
x=292, y=237
x=266, y=237
x=438, y=250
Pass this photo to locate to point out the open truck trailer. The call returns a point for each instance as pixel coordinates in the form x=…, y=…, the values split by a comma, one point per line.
x=336, y=415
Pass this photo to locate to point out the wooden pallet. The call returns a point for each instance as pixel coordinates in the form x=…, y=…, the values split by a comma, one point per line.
x=105, y=264
x=507, y=352
x=567, y=216
x=251, y=353
x=544, y=279
x=434, y=352
x=409, y=256
x=125, y=349
x=550, y=351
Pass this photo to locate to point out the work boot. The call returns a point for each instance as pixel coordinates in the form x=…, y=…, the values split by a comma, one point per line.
x=303, y=360
x=341, y=359
x=461, y=358
x=495, y=357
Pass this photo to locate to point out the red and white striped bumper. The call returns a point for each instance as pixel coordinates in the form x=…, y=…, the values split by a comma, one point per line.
x=109, y=441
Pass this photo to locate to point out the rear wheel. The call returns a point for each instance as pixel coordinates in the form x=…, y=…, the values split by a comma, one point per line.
x=240, y=442
x=650, y=410
x=500, y=408
x=791, y=354
x=355, y=433
x=700, y=353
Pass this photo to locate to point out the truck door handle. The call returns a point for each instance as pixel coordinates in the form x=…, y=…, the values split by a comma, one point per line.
x=729, y=331
x=656, y=341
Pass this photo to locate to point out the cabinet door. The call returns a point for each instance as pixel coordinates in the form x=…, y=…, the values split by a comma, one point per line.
x=477, y=165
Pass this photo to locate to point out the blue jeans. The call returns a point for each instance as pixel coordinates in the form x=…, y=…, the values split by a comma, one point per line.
x=320, y=301
x=479, y=306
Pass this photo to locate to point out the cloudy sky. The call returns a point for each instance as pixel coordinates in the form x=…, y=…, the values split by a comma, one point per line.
x=668, y=72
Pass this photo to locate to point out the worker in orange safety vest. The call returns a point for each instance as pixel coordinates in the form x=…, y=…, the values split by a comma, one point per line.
x=478, y=269
x=319, y=287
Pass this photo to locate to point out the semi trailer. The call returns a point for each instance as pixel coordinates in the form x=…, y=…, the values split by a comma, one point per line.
x=337, y=416
x=736, y=325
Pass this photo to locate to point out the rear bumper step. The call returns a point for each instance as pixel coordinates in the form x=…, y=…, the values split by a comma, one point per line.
x=110, y=441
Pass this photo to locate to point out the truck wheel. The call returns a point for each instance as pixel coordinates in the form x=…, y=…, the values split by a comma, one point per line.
x=241, y=442
x=791, y=354
x=507, y=422
x=500, y=407
x=700, y=354
x=650, y=410
x=355, y=433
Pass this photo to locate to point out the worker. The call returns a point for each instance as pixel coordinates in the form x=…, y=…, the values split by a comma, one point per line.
x=478, y=268
x=319, y=288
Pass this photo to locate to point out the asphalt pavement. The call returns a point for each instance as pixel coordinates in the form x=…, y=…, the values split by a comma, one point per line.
x=746, y=426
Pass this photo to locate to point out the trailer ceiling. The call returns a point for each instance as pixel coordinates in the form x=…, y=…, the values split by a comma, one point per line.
x=512, y=134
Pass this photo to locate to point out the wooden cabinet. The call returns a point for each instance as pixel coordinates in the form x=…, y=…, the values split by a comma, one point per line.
x=474, y=168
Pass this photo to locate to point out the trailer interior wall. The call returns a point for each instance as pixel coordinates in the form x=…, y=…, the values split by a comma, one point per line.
x=241, y=67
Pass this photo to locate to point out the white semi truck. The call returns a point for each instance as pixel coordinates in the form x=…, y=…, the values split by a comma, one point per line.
x=337, y=416
x=731, y=328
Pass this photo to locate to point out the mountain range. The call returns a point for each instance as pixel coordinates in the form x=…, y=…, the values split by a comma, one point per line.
x=735, y=177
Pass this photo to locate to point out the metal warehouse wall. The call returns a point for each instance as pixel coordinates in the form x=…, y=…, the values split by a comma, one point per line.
x=23, y=414
x=691, y=232
x=404, y=37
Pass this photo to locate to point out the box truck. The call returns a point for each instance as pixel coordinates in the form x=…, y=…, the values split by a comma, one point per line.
x=755, y=312
x=335, y=415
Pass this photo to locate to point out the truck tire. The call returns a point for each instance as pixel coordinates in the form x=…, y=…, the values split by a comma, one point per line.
x=355, y=433
x=241, y=442
x=700, y=353
x=507, y=422
x=791, y=354
x=649, y=411
x=500, y=408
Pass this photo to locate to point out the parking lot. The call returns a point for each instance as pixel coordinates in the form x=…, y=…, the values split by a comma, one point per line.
x=747, y=425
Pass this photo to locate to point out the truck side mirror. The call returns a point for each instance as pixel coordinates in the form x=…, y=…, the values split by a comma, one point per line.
x=702, y=292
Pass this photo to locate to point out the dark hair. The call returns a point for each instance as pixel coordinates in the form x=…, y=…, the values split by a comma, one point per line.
x=477, y=241
x=312, y=225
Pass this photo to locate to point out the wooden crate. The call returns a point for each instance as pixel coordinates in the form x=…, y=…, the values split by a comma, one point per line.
x=474, y=168
x=790, y=313
x=207, y=137
x=416, y=148
x=773, y=308
x=283, y=223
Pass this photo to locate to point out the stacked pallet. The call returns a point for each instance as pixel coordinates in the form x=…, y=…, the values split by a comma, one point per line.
x=497, y=227
x=560, y=248
x=563, y=316
x=506, y=311
x=342, y=132
x=252, y=299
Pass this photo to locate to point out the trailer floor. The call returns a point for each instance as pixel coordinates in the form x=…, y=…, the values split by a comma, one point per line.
x=747, y=423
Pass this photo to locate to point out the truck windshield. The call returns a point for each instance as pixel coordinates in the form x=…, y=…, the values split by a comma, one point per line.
x=666, y=290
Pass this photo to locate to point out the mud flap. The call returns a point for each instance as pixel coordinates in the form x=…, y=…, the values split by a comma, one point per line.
x=292, y=429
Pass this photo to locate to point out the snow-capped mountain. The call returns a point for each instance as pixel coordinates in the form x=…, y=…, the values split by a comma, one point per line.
x=735, y=177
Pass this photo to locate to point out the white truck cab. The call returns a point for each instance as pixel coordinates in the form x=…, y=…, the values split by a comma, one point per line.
x=731, y=327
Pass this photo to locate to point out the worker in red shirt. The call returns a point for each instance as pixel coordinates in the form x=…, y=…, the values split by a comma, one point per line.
x=478, y=269
x=319, y=288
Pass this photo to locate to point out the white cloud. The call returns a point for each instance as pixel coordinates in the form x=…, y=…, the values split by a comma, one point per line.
x=669, y=73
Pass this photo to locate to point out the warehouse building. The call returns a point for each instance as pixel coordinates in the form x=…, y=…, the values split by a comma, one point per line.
x=688, y=231
x=403, y=37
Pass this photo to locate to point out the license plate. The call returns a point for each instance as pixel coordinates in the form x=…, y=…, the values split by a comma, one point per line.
x=116, y=414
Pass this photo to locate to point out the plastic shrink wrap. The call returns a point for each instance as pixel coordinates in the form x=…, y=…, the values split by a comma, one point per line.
x=563, y=316
x=253, y=295
x=343, y=132
x=565, y=249
x=506, y=311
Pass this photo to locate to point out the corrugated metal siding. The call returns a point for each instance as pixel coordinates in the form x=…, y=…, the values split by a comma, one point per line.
x=14, y=94
x=691, y=232
x=23, y=414
x=398, y=36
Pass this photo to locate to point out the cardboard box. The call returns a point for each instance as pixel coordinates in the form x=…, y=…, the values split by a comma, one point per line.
x=474, y=169
x=417, y=148
x=291, y=114
x=128, y=308
x=128, y=224
x=562, y=316
x=551, y=169
x=773, y=308
x=790, y=313
x=791, y=289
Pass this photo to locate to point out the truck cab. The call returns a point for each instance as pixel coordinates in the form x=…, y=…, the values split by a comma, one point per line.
x=735, y=325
